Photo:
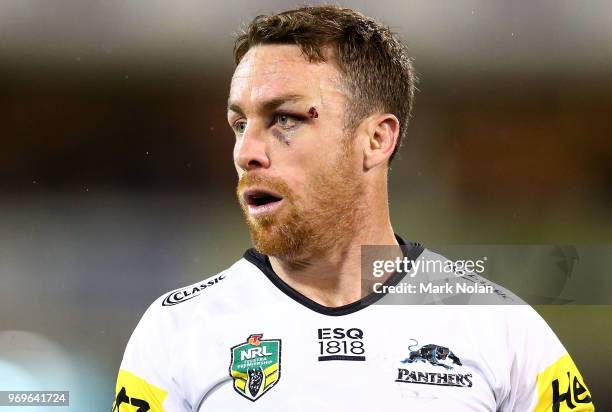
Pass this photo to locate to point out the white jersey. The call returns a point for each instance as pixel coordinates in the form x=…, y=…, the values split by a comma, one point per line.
x=244, y=340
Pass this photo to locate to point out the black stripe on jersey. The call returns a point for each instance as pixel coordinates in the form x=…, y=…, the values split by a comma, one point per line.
x=341, y=357
x=411, y=251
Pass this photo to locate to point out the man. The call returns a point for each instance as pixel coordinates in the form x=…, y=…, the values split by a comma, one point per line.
x=319, y=102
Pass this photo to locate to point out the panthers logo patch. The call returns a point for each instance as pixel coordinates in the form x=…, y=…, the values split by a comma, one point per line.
x=442, y=374
x=436, y=355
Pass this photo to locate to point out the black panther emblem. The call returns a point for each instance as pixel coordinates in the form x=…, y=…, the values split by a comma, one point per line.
x=433, y=354
x=255, y=380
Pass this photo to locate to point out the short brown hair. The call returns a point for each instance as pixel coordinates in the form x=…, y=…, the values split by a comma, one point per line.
x=374, y=63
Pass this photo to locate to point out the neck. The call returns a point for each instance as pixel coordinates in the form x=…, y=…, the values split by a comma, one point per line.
x=334, y=278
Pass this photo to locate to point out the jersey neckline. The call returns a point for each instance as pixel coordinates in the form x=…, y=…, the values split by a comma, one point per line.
x=411, y=250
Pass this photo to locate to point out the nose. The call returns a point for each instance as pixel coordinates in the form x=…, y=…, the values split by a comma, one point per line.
x=250, y=151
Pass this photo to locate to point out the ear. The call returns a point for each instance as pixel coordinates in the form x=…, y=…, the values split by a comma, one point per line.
x=382, y=132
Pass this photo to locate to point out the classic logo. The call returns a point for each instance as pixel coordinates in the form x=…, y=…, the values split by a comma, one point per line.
x=435, y=355
x=255, y=366
x=190, y=292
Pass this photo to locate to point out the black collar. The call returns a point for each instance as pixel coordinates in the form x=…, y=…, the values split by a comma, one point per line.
x=411, y=251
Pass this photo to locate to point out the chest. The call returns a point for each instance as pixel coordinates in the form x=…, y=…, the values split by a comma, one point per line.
x=361, y=362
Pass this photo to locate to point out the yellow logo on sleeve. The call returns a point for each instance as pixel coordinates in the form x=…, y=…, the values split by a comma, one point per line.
x=135, y=394
x=562, y=389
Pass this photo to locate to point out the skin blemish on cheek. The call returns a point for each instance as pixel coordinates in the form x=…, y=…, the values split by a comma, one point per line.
x=313, y=113
x=281, y=137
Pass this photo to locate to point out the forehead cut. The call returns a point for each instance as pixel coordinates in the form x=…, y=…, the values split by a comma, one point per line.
x=269, y=72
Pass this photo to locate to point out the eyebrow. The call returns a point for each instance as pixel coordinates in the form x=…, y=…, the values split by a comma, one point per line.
x=267, y=105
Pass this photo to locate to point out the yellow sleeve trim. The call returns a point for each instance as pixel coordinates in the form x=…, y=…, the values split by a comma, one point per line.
x=134, y=394
x=562, y=389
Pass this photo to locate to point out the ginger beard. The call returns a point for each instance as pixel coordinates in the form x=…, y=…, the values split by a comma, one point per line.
x=312, y=223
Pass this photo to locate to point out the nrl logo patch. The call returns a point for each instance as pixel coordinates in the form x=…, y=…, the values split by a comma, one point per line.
x=255, y=366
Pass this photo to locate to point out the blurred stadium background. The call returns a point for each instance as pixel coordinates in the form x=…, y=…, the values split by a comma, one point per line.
x=116, y=180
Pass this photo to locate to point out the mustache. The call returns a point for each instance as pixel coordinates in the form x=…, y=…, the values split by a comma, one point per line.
x=275, y=184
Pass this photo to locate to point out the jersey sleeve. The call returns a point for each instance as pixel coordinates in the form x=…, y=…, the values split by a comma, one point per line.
x=146, y=381
x=543, y=376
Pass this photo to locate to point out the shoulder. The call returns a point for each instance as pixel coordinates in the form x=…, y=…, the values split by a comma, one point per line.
x=493, y=307
x=466, y=278
x=220, y=286
x=177, y=308
x=170, y=318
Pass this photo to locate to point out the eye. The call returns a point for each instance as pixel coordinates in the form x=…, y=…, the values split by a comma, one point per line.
x=239, y=126
x=286, y=121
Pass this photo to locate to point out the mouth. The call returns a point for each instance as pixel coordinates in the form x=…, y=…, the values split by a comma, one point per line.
x=261, y=201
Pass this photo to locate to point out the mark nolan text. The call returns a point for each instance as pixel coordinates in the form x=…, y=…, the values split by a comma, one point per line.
x=448, y=288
